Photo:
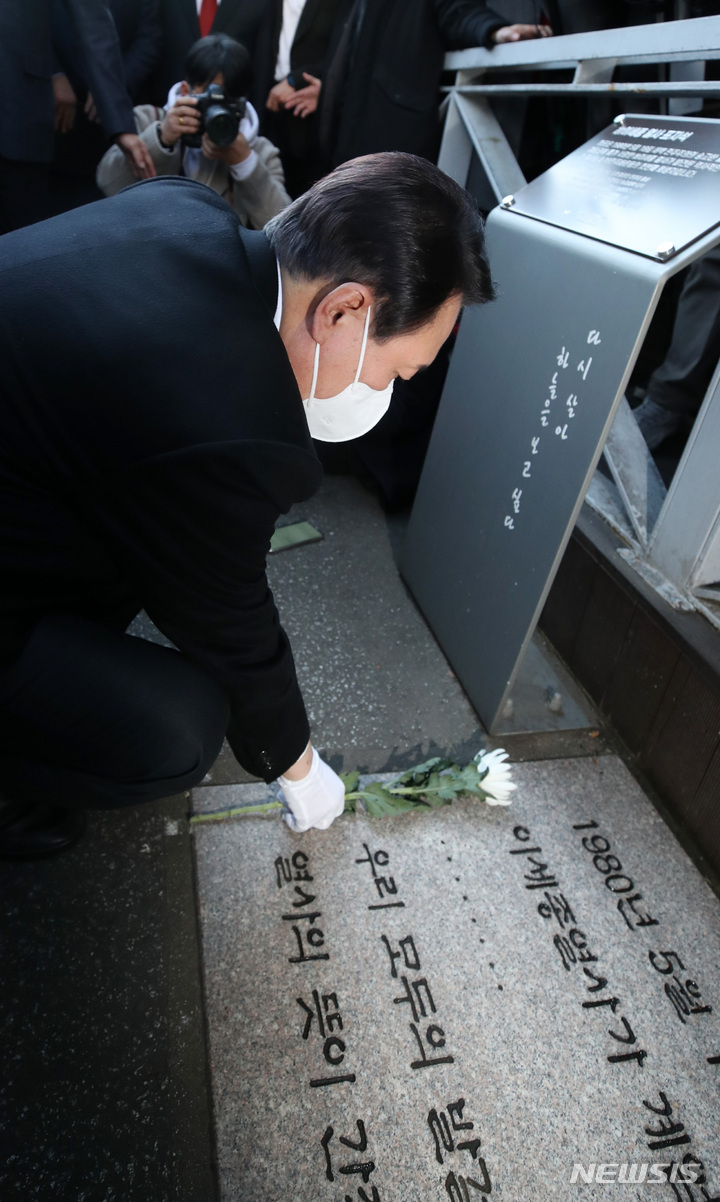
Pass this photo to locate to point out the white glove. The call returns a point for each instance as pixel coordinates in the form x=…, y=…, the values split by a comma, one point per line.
x=316, y=800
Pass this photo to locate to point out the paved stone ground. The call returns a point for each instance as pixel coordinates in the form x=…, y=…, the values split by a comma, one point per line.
x=103, y=1089
x=379, y=692
x=554, y=964
x=104, y=1086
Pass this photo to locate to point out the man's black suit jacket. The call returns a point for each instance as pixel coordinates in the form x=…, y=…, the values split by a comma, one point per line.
x=308, y=50
x=138, y=28
x=180, y=28
x=152, y=433
x=27, y=127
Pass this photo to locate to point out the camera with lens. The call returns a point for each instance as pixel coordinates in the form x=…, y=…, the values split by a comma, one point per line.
x=220, y=117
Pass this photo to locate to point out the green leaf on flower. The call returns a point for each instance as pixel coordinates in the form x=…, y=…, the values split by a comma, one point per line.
x=381, y=803
x=469, y=780
x=422, y=773
x=350, y=781
x=436, y=783
x=437, y=799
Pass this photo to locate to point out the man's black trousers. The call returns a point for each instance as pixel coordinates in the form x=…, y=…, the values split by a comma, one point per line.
x=94, y=718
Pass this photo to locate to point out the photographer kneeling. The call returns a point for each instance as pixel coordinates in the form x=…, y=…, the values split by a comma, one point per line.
x=209, y=132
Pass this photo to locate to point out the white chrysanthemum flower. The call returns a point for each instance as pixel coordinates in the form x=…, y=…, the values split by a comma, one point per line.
x=496, y=783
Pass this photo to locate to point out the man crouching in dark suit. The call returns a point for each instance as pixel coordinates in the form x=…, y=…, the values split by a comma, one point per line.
x=163, y=374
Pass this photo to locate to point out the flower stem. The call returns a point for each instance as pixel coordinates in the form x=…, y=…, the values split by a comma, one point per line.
x=398, y=791
x=359, y=794
x=407, y=790
x=237, y=812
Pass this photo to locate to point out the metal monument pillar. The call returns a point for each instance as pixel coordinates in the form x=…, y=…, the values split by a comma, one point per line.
x=580, y=257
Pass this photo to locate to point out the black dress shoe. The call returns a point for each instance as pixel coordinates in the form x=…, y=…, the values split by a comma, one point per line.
x=29, y=831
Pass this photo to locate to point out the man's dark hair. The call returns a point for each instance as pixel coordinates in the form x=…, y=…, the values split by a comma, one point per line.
x=396, y=223
x=219, y=52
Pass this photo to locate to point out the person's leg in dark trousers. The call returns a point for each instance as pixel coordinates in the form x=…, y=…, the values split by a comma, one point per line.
x=23, y=194
x=93, y=718
x=682, y=379
x=677, y=388
x=296, y=139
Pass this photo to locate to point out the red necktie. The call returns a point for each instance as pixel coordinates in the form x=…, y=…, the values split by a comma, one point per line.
x=208, y=9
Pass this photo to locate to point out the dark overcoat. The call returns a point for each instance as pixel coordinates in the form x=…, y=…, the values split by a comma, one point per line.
x=240, y=19
x=138, y=28
x=27, y=63
x=382, y=78
x=308, y=49
x=153, y=432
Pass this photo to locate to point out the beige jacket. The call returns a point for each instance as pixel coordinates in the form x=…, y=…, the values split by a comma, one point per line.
x=255, y=199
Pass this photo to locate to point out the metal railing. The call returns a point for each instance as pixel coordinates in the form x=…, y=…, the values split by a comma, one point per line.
x=671, y=536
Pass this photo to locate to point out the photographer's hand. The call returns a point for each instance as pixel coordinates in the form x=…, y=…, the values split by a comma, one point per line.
x=304, y=101
x=182, y=118
x=237, y=152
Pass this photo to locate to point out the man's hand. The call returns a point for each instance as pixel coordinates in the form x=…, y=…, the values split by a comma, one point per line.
x=279, y=95
x=237, y=152
x=314, y=793
x=182, y=118
x=65, y=103
x=137, y=155
x=520, y=33
x=304, y=101
x=91, y=109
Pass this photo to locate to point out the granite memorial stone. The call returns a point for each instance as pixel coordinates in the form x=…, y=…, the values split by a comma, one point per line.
x=514, y=1003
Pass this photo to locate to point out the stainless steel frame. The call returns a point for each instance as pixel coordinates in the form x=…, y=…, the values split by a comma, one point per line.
x=672, y=538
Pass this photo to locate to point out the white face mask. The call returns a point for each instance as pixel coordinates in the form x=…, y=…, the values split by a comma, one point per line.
x=353, y=411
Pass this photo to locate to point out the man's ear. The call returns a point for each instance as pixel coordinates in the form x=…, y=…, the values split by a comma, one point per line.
x=341, y=311
x=184, y=89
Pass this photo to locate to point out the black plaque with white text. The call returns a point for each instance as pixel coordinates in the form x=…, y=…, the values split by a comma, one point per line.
x=646, y=184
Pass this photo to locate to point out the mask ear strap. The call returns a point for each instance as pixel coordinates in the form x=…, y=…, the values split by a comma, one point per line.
x=364, y=344
x=316, y=365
